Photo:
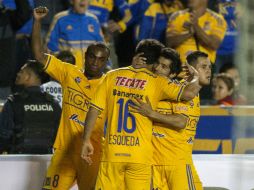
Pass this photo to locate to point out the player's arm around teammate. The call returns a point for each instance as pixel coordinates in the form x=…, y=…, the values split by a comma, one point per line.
x=192, y=86
x=177, y=121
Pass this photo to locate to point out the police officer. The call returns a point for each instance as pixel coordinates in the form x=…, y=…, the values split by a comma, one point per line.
x=29, y=119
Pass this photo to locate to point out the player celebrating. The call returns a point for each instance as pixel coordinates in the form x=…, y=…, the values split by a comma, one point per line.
x=126, y=159
x=78, y=88
x=175, y=127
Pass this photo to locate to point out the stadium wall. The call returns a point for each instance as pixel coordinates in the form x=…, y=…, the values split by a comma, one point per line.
x=233, y=172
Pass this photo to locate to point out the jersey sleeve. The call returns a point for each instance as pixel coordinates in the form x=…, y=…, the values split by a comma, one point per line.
x=57, y=69
x=172, y=90
x=173, y=23
x=219, y=27
x=100, y=97
x=124, y=9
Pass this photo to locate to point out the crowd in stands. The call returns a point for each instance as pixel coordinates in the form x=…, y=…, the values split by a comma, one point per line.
x=72, y=25
x=180, y=24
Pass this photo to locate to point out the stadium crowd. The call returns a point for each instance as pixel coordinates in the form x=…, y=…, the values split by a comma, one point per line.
x=57, y=53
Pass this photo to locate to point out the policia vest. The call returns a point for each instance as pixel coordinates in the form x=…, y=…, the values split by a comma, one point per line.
x=36, y=119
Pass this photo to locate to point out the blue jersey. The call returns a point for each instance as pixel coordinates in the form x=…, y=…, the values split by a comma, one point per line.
x=229, y=10
x=75, y=32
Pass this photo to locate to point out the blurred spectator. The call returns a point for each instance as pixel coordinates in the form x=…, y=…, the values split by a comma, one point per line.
x=229, y=9
x=23, y=48
x=29, y=119
x=125, y=53
x=53, y=87
x=138, y=8
x=233, y=71
x=154, y=21
x=10, y=22
x=196, y=28
x=55, y=6
x=102, y=10
x=213, y=5
x=223, y=89
x=74, y=30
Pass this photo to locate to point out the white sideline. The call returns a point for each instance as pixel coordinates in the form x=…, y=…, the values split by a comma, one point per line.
x=234, y=172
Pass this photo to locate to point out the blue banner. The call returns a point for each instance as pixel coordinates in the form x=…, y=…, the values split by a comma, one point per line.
x=225, y=130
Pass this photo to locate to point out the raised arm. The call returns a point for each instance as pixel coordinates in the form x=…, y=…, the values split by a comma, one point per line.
x=39, y=13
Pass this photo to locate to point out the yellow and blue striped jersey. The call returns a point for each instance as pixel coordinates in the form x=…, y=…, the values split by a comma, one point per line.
x=154, y=22
x=74, y=32
x=212, y=24
x=77, y=94
x=128, y=135
x=102, y=9
x=138, y=8
x=171, y=145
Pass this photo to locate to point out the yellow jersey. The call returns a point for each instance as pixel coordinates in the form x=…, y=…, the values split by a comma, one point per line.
x=212, y=24
x=128, y=135
x=171, y=145
x=77, y=94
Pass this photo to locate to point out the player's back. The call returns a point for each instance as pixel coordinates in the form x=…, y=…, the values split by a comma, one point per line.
x=128, y=135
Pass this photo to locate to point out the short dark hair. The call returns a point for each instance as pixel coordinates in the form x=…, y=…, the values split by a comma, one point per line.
x=227, y=79
x=36, y=67
x=174, y=56
x=66, y=56
x=226, y=67
x=151, y=49
x=193, y=57
x=99, y=45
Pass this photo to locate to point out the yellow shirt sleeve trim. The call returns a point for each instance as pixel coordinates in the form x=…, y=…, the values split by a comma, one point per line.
x=122, y=26
x=96, y=107
x=180, y=93
x=47, y=62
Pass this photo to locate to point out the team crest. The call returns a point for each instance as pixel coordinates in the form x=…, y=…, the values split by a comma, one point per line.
x=90, y=28
x=207, y=26
x=78, y=80
x=69, y=27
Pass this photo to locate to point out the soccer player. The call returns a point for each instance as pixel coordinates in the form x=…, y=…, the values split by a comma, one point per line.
x=127, y=151
x=78, y=88
x=175, y=127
